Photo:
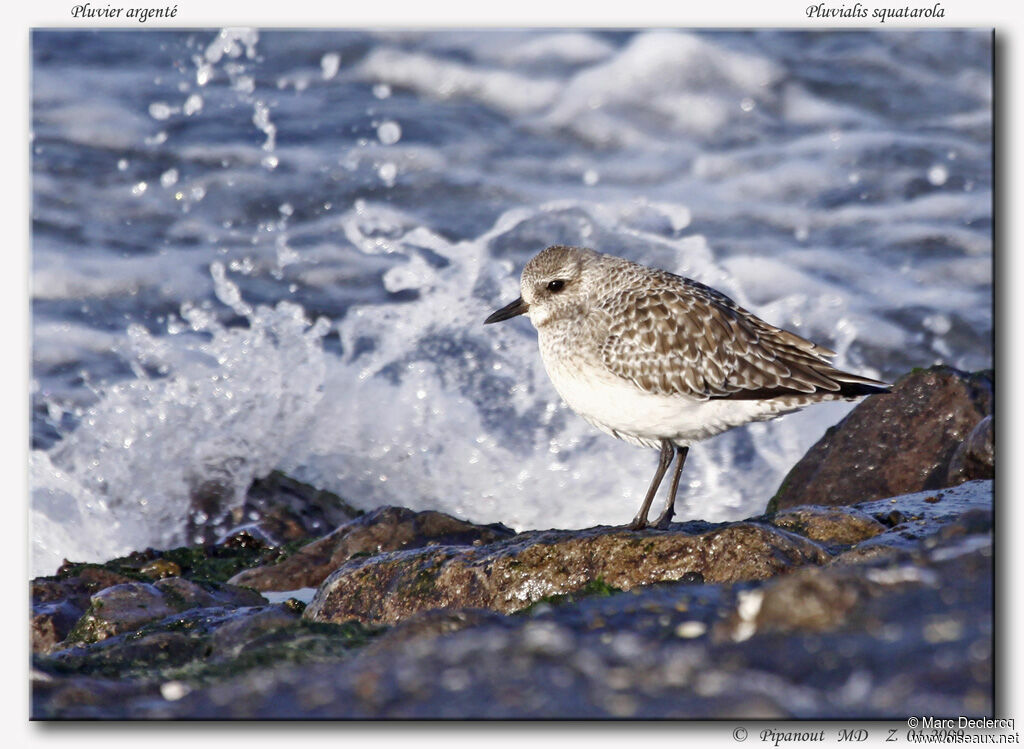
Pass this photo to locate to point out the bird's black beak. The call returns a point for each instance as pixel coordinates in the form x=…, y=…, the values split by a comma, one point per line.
x=517, y=307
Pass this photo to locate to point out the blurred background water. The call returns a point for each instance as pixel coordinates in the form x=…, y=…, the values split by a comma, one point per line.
x=258, y=250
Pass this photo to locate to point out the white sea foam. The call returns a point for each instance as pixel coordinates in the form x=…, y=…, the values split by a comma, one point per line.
x=699, y=94
x=230, y=410
x=575, y=48
x=505, y=91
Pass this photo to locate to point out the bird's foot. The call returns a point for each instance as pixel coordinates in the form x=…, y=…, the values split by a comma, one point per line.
x=664, y=521
x=638, y=524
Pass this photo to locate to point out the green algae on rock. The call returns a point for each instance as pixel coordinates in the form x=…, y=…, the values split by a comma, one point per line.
x=509, y=575
x=126, y=607
x=214, y=563
x=207, y=645
x=384, y=529
x=864, y=635
x=831, y=526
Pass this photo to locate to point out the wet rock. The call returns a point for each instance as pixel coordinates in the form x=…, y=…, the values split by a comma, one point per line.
x=509, y=575
x=892, y=443
x=126, y=607
x=277, y=508
x=913, y=518
x=51, y=622
x=186, y=594
x=237, y=634
x=664, y=611
x=829, y=525
x=903, y=640
x=204, y=563
x=975, y=457
x=427, y=625
x=815, y=600
x=85, y=697
x=77, y=586
x=200, y=634
x=888, y=613
x=160, y=568
x=120, y=608
x=135, y=654
x=166, y=659
x=594, y=589
x=384, y=529
x=57, y=603
x=289, y=510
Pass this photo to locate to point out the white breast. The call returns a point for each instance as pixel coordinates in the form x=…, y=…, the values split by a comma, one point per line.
x=623, y=410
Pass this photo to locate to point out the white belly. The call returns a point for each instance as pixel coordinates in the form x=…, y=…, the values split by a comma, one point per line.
x=623, y=410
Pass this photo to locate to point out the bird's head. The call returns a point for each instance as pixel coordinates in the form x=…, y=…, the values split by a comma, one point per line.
x=555, y=284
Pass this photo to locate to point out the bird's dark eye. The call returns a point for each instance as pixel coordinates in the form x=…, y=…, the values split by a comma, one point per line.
x=556, y=285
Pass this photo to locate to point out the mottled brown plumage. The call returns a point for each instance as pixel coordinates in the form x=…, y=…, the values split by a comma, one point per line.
x=664, y=361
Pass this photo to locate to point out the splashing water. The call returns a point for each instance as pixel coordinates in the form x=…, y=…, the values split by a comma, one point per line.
x=390, y=186
x=426, y=409
x=231, y=409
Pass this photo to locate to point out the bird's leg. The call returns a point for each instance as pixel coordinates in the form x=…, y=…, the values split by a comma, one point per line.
x=640, y=521
x=670, y=507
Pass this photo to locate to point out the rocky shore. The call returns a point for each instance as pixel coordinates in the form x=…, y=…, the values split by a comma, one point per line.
x=865, y=590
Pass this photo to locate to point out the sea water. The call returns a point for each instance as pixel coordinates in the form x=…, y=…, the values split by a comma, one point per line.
x=257, y=250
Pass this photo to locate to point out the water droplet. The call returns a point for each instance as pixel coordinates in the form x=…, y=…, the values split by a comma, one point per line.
x=173, y=690
x=938, y=175
x=158, y=110
x=329, y=65
x=389, y=132
x=193, y=104
x=690, y=630
x=938, y=324
x=244, y=84
x=387, y=172
x=203, y=74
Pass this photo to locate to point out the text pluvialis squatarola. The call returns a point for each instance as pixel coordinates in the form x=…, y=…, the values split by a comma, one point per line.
x=662, y=361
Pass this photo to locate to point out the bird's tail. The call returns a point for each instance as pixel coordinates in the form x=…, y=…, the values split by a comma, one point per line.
x=854, y=386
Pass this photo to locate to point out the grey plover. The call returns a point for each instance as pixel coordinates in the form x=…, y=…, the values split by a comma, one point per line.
x=663, y=361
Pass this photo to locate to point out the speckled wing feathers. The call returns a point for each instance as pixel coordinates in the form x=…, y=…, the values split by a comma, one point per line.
x=673, y=336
